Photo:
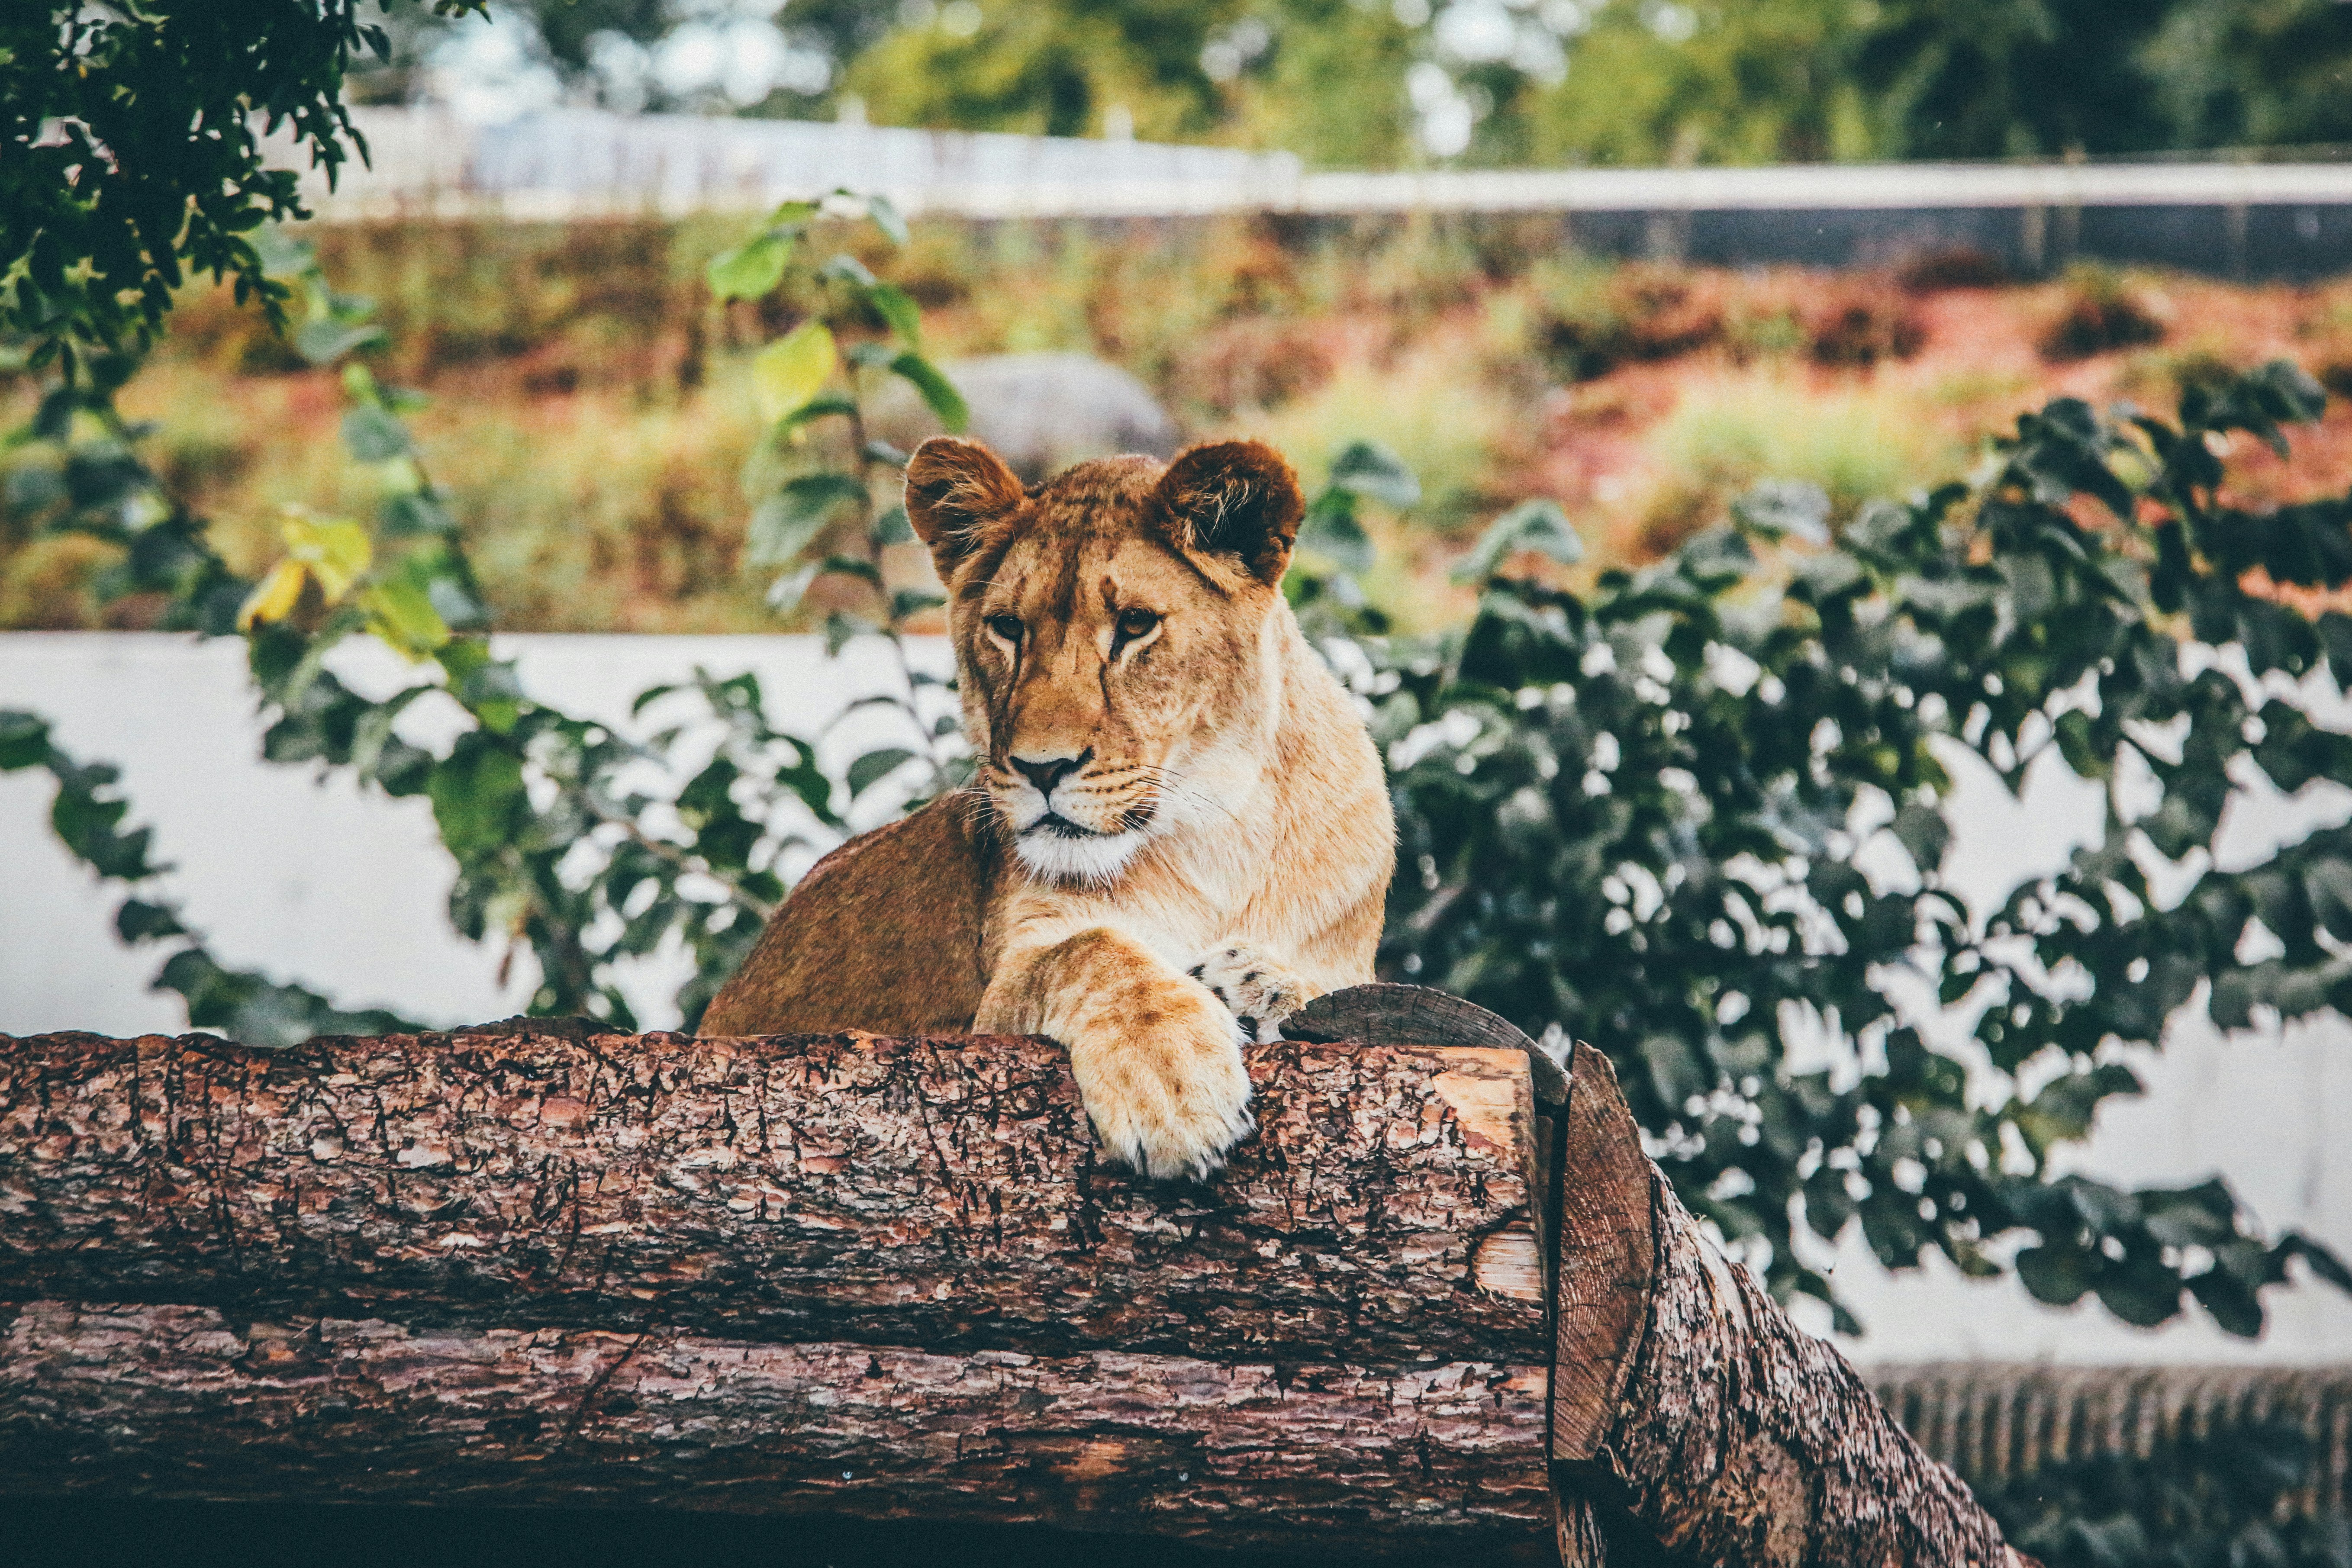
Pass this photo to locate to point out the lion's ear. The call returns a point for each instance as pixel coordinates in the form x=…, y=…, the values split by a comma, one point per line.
x=955, y=490
x=1237, y=499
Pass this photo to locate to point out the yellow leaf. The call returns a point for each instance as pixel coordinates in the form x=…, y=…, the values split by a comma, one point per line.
x=337, y=553
x=273, y=598
x=793, y=369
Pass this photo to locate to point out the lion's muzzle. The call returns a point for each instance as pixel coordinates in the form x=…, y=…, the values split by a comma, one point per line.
x=1071, y=823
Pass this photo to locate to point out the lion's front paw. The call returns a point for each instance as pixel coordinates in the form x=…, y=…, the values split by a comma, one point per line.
x=1165, y=1086
x=1256, y=988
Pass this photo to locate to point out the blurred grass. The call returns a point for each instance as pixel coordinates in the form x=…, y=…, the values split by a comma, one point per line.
x=1855, y=441
x=1429, y=404
x=590, y=418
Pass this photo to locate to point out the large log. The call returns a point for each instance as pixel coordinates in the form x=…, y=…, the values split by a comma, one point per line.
x=1696, y=1416
x=888, y=1279
x=852, y=1273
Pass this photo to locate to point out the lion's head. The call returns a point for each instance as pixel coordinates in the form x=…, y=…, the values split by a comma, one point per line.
x=1119, y=634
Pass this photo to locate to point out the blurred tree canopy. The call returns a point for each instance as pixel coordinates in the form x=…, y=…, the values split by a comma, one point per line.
x=1500, y=82
x=130, y=149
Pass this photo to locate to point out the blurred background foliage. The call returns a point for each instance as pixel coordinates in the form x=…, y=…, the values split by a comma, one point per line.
x=2221, y=1499
x=1382, y=83
x=590, y=407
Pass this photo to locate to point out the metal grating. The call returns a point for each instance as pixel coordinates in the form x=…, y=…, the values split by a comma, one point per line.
x=1996, y=1422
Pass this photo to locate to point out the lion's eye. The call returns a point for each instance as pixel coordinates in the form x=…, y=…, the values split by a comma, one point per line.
x=1006, y=626
x=1133, y=624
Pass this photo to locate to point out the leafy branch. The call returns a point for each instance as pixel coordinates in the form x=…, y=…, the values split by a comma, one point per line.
x=131, y=153
x=1642, y=814
x=86, y=814
x=830, y=510
x=573, y=842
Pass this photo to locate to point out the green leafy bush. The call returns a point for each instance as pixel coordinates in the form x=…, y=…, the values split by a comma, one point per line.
x=2224, y=1499
x=131, y=138
x=1639, y=815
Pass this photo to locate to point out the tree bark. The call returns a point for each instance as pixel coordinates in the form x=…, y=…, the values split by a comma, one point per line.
x=186, y=1402
x=1703, y=1424
x=688, y=1272
x=888, y=1279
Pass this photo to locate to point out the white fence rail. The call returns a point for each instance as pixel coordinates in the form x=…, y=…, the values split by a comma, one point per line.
x=584, y=162
x=577, y=162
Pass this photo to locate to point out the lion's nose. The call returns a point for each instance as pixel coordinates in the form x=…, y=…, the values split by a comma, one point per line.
x=1047, y=772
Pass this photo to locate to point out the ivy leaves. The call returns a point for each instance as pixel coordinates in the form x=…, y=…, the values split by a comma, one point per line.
x=1630, y=813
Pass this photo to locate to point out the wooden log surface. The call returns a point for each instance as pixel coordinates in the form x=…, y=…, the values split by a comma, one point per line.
x=188, y=1402
x=1697, y=1416
x=943, y=1193
x=722, y=1273
x=888, y=1279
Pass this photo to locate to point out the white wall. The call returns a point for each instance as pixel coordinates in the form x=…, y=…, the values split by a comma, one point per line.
x=318, y=882
x=305, y=878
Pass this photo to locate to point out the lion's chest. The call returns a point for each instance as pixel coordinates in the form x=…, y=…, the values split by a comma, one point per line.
x=1175, y=909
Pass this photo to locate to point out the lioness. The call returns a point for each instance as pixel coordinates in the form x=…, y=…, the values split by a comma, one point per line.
x=1179, y=832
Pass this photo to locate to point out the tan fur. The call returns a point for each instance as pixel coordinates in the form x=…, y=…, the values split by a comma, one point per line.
x=1218, y=857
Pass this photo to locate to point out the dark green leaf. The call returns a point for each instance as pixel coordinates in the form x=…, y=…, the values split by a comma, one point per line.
x=906, y=602
x=874, y=766
x=893, y=305
x=414, y=512
x=840, y=628
x=1924, y=834
x=325, y=341
x=1782, y=509
x=2058, y=1275
x=24, y=740
x=817, y=408
x=1330, y=530
x=478, y=797
x=1371, y=470
x=938, y=391
x=138, y=920
x=790, y=520
x=373, y=436
x=1538, y=525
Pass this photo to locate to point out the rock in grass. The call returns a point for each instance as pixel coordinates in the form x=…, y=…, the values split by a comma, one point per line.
x=1039, y=412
